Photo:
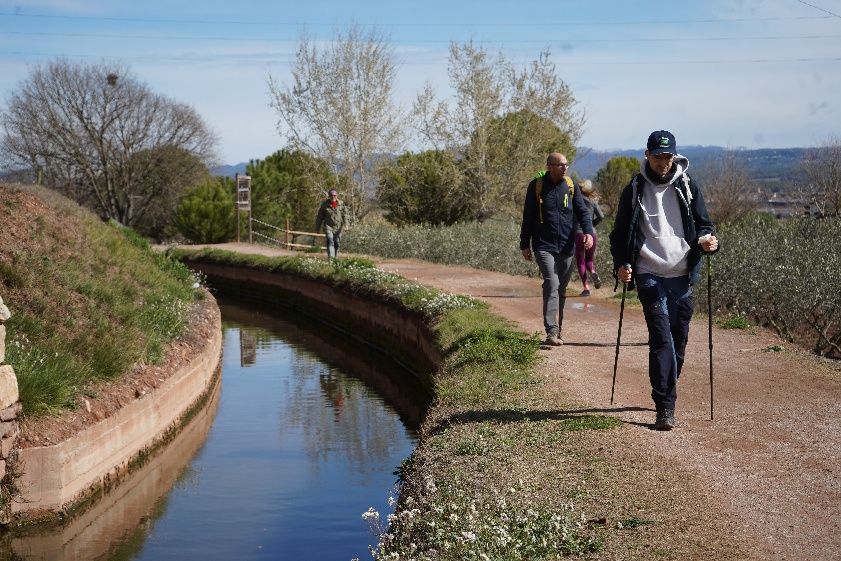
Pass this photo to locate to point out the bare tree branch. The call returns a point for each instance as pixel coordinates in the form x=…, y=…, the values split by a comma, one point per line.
x=339, y=107
x=822, y=169
x=82, y=128
x=502, y=123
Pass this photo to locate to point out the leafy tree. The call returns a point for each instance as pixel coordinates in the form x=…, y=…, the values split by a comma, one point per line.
x=289, y=184
x=612, y=178
x=499, y=124
x=423, y=188
x=169, y=172
x=339, y=107
x=206, y=212
x=517, y=147
x=98, y=134
x=822, y=169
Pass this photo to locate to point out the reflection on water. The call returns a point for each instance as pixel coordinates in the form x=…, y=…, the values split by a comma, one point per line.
x=302, y=443
x=115, y=527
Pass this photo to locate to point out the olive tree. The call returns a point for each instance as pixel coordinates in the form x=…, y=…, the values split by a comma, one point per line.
x=497, y=123
x=728, y=190
x=822, y=170
x=339, y=107
x=98, y=134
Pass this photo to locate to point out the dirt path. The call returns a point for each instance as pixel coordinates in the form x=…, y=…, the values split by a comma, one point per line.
x=771, y=459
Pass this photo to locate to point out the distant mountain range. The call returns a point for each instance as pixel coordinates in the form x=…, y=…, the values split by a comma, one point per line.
x=766, y=165
x=229, y=170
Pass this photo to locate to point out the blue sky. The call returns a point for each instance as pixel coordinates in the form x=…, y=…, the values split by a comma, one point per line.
x=736, y=73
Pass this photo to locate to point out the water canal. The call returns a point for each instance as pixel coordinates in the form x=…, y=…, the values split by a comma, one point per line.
x=302, y=435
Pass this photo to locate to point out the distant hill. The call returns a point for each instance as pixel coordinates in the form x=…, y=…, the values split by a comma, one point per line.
x=767, y=165
x=229, y=170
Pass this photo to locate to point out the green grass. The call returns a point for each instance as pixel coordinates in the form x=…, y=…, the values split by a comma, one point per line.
x=354, y=274
x=89, y=301
x=734, y=321
x=589, y=422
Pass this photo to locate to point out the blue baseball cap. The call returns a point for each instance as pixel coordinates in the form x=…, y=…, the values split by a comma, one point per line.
x=660, y=142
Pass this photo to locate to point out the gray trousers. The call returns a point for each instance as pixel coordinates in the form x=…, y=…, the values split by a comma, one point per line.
x=556, y=269
x=332, y=242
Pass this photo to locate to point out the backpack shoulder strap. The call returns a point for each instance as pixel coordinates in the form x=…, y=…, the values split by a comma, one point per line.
x=636, y=184
x=538, y=189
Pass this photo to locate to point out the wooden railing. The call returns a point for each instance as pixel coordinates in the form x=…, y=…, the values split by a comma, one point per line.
x=289, y=236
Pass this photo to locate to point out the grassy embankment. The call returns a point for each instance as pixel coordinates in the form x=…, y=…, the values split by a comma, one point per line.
x=89, y=300
x=501, y=465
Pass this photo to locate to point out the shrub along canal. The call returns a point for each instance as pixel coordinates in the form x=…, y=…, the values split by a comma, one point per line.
x=304, y=434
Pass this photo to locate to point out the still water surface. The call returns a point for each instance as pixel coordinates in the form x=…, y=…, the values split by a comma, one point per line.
x=298, y=445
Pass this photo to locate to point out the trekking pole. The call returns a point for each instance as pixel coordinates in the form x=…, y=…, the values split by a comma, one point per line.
x=710, y=333
x=619, y=333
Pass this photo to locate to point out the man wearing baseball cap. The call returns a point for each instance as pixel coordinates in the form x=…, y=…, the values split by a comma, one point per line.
x=332, y=216
x=661, y=230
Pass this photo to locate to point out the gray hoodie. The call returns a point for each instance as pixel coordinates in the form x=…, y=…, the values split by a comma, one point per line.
x=664, y=249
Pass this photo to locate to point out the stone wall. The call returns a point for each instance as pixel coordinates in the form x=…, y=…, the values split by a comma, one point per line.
x=9, y=410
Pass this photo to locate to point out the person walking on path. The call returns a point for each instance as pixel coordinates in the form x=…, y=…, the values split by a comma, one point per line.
x=332, y=215
x=585, y=257
x=661, y=230
x=550, y=211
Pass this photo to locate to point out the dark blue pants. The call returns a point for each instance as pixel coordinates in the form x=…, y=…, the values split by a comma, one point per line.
x=667, y=305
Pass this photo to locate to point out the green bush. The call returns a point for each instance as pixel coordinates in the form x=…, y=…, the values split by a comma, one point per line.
x=423, y=188
x=777, y=273
x=492, y=245
x=782, y=273
x=206, y=213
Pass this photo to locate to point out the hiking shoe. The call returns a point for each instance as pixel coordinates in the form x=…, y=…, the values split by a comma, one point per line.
x=597, y=282
x=665, y=419
x=553, y=341
x=585, y=293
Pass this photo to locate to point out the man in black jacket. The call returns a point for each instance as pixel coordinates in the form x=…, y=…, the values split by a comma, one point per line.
x=550, y=210
x=661, y=230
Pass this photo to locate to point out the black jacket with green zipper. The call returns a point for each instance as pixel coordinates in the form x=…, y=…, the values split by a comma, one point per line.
x=549, y=223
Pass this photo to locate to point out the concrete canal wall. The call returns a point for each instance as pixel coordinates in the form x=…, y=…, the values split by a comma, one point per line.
x=402, y=336
x=57, y=479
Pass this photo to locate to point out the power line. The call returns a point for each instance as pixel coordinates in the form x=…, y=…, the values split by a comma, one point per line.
x=417, y=24
x=285, y=57
x=833, y=14
x=683, y=39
